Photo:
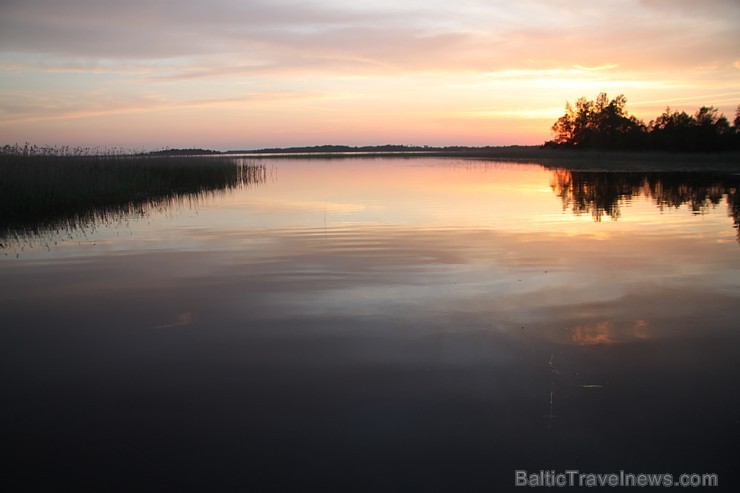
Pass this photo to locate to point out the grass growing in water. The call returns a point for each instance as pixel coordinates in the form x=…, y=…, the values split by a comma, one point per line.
x=44, y=192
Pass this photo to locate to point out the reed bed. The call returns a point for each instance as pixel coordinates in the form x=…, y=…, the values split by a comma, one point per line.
x=44, y=191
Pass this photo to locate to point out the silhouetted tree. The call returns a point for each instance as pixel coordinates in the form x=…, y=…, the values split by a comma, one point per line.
x=605, y=124
x=600, y=124
x=713, y=129
x=565, y=127
x=672, y=131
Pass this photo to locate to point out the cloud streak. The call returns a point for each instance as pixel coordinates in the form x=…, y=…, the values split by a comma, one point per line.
x=420, y=36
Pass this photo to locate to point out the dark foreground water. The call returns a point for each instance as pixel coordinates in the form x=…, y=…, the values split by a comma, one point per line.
x=378, y=325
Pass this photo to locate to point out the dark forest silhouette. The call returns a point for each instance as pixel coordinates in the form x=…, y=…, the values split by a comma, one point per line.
x=605, y=124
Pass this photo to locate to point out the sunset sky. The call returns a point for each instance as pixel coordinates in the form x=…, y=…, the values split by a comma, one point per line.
x=229, y=74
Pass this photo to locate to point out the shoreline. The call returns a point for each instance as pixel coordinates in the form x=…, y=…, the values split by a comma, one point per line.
x=581, y=160
x=570, y=159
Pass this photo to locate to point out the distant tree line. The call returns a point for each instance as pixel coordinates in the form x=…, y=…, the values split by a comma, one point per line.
x=183, y=152
x=605, y=124
x=326, y=149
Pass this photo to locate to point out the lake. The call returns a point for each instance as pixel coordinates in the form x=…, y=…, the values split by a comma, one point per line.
x=377, y=324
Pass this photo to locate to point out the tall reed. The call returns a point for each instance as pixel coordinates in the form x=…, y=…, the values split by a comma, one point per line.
x=42, y=191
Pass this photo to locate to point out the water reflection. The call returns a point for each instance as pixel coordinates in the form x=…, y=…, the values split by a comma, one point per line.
x=351, y=192
x=605, y=332
x=604, y=193
x=422, y=326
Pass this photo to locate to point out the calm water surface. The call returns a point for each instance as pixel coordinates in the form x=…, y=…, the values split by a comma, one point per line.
x=379, y=325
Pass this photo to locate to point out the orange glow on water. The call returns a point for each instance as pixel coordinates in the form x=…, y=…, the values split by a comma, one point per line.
x=601, y=333
x=607, y=332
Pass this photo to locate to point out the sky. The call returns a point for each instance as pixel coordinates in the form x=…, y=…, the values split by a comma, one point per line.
x=249, y=74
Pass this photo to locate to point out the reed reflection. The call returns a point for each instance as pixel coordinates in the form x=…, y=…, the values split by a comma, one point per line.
x=47, y=194
x=603, y=193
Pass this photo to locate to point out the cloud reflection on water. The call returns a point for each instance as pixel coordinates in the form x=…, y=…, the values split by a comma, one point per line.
x=559, y=288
